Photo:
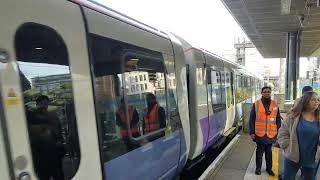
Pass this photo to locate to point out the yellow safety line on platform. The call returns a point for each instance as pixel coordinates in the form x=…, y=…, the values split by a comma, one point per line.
x=275, y=163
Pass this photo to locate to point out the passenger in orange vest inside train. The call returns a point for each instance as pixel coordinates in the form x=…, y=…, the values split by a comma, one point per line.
x=122, y=123
x=155, y=117
x=264, y=123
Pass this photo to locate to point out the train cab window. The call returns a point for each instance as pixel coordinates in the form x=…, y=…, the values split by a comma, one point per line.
x=49, y=104
x=129, y=113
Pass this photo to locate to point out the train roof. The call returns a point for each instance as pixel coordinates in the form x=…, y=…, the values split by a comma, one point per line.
x=240, y=68
x=117, y=15
x=188, y=47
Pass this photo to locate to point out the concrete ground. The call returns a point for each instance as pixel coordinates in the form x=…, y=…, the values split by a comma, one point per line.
x=238, y=163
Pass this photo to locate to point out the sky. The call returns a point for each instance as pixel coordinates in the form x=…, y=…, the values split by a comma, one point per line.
x=204, y=23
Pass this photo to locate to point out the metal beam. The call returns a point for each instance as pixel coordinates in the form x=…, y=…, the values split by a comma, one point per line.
x=292, y=70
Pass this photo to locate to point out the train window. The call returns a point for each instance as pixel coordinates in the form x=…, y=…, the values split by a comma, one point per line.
x=223, y=89
x=232, y=87
x=243, y=81
x=247, y=81
x=228, y=89
x=128, y=115
x=239, y=91
x=49, y=105
x=215, y=89
x=238, y=81
x=188, y=80
x=227, y=78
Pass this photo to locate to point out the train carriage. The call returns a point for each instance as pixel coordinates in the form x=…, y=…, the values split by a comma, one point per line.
x=68, y=67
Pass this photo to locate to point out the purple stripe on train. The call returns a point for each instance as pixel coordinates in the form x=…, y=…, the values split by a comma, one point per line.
x=212, y=129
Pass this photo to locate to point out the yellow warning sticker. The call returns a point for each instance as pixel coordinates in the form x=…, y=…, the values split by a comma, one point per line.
x=10, y=102
x=11, y=99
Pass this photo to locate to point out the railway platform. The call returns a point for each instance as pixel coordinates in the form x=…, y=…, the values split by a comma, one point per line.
x=237, y=162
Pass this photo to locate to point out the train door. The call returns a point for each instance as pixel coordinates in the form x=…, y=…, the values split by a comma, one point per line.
x=46, y=92
x=238, y=98
x=230, y=98
x=216, y=105
x=5, y=167
x=133, y=77
x=217, y=118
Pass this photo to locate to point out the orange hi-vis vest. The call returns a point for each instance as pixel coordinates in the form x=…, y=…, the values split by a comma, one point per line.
x=123, y=130
x=266, y=124
x=151, y=120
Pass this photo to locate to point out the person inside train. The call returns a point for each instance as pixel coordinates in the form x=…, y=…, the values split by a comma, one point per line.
x=47, y=149
x=264, y=123
x=122, y=123
x=299, y=138
x=155, y=116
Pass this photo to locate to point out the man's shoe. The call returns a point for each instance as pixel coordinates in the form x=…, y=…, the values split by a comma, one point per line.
x=258, y=172
x=270, y=172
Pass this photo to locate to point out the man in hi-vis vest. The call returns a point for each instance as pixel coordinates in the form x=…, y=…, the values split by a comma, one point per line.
x=264, y=123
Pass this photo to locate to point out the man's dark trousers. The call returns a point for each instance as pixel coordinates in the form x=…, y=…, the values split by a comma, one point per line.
x=261, y=148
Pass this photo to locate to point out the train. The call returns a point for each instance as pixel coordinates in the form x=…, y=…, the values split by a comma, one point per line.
x=83, y=59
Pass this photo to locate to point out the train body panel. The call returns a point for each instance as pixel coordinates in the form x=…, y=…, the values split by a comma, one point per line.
x=152, y=161
x=125, y=32
x=182, y=97
x=198, y=111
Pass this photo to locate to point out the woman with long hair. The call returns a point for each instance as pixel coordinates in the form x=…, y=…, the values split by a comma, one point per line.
x=299, y=138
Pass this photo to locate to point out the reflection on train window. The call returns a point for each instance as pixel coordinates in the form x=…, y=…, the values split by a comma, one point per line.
x=152, y=102
x=49, y=105
x=124, y=86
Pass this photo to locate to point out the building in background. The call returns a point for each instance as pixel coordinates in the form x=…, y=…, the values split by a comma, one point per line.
x=241, y=47
x=282, y=73
x=312, y=74
x=46, y=84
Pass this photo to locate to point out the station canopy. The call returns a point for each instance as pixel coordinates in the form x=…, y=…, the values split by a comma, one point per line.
x=267, y=22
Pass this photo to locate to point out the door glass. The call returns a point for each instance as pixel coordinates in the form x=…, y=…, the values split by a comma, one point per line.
x=49, y=104
x=123, y=86
x=216, y=95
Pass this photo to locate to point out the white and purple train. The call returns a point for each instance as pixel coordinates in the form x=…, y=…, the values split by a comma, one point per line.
x=86, y=58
